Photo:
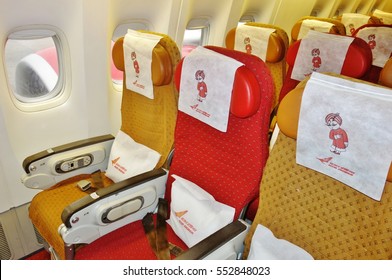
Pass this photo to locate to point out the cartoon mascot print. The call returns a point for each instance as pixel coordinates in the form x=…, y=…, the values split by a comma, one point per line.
x=351, y=28
x=316, y=60
x=248, y=46
x=135, y=64
x=372, y=41
x=201, y=85
x=337, y=134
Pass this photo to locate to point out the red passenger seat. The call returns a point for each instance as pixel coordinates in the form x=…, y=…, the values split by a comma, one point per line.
x=379, y=38
x=356, y=63
x=228, y=165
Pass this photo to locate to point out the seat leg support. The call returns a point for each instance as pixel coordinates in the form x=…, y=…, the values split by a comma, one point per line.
x=69, y=251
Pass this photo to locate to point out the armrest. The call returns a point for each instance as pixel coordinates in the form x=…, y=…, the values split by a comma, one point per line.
x=108, y=191
x=46, y=168
x=226, y=243
x=112, y=207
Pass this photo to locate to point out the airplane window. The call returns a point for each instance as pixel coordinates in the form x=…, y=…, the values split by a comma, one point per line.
x=32, y=64
x=196, y=34
x=246, y=18
x=192, y=39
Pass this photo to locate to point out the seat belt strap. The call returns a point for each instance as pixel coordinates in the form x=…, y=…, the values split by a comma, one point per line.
x=97, y=179
x=163, y=251
x=157, y=236
x=149, y=230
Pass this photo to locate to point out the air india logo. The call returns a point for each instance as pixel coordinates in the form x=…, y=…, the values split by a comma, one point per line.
x=184, y=222
x=118, y=166
x=181, y=213
x=114, y=161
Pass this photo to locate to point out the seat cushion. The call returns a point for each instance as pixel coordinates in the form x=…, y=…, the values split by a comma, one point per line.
x=126, y=243
x=46, y=208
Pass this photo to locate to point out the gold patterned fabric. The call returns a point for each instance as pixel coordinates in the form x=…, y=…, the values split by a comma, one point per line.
x=46, y=208
x=150, y=122
x=319, y=214
x=278, y=69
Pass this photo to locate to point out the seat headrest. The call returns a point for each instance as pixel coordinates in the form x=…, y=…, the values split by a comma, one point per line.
x=385, y=78
x=161, y=66
x=337, y=27
x=276, y=46
x=374, y=20
x=357, y=62
x=288, y=115
x=371, y=20
x=246, y=96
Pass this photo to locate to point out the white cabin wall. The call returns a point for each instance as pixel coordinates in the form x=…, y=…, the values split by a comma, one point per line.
x=83, y=115
x=233, y=15
x=5, y=196
x=221, y=14
x=346, y=7
x=287, y=15
x=384, y=5
x=325, y=8
x=263, y=11
x=365, y=6
x=161, y=16
x=97, y=55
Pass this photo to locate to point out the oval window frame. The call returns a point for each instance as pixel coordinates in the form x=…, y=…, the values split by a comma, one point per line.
x=62, y=90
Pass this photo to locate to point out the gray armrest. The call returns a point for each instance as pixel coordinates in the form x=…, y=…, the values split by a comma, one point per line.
x=225, y=243
x=108, y=191
x=46, y=168
x=112, y=207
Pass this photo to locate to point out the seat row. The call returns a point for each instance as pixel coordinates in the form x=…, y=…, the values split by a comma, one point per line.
x=215, y=170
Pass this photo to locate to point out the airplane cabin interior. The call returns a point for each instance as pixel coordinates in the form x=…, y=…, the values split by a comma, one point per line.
x=184, y=129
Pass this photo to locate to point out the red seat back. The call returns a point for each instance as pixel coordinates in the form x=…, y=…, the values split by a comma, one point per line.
x=228, y=165
x=356, y=64
x=374, y=73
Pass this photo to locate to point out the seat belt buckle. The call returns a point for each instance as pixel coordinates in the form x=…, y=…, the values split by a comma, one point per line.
x=84, y=185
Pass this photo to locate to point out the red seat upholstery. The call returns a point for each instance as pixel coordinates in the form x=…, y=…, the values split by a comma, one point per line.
x=227, y=165
x=278, y=43
x=356, y=64
x=374, y=73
